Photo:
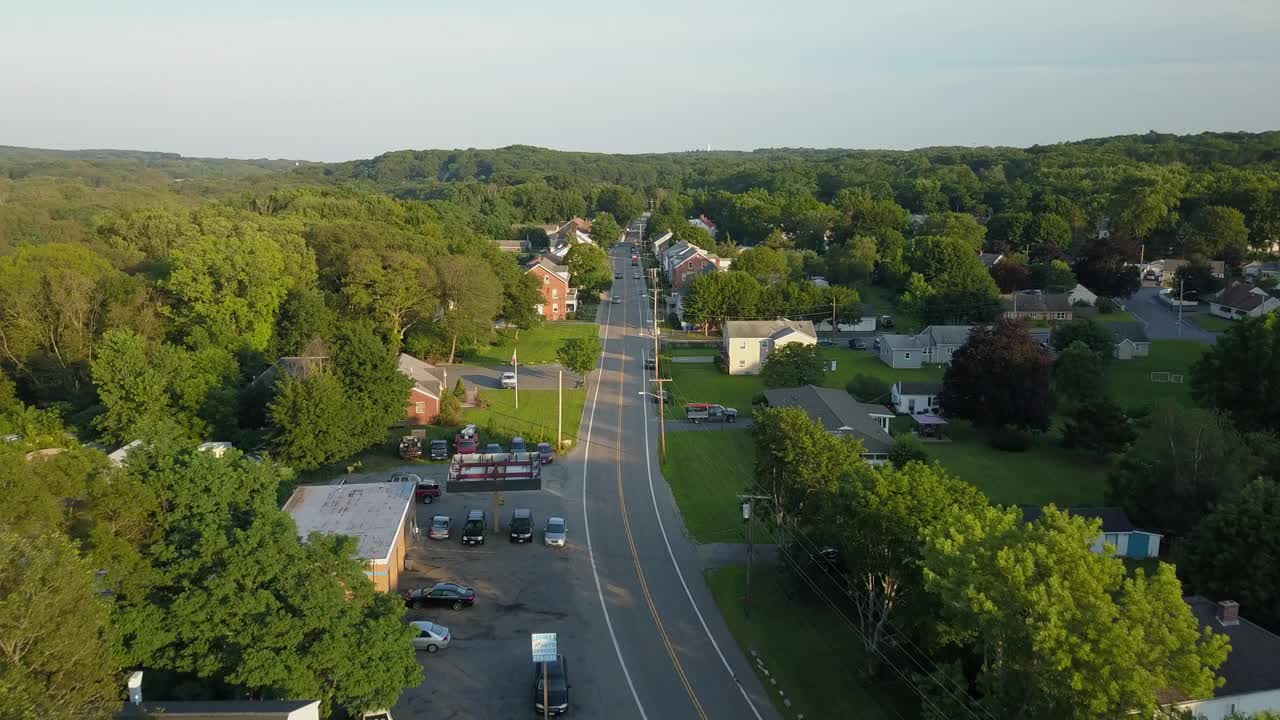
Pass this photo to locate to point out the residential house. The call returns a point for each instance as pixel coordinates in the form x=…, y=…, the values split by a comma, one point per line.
x=918, y=220
x=1117, y=531
x=747, y=343
x=423, y=404
x=1082, y=295
x=1163, y=271
x=910, y=398
x=688, y=263
x=660, y=242
x=1037, y=305
x=1131, y=340
x=216, y=448
x=515, y=247
x=121, y=455
x=1258, y=270
x=705, y=223
x=299, y=368
x=559, y=300
x=1242, y=300
x=380, y=516
x=934, y=345
x=563, y=237
x=1251, y=674
x=839, y=414
x=990, y=259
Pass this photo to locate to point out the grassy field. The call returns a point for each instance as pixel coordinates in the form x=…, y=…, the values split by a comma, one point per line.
x=1212, y=323
x=1130, y=380
x=535, y=421
x=1045, y=473
x=1116, y=316
x=706, y=470
x=815, y=659
x=534, y=347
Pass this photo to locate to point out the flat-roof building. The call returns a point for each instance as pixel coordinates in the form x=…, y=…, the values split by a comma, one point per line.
x=379, y=516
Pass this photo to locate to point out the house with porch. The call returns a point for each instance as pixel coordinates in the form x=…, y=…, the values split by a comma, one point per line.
x=423, y=404
x=746, y=344
x=933, y=345
x=1241, y=300
x=910, y=398
x=1117, y=531
x=839, y=414
x=559, y=300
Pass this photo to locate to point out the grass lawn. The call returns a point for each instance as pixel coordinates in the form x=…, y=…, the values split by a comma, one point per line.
x=1212, y=323
x=535, y=346
x=815, y=659
x=1045, y=473
x=1115, y=316
x=706, y=470
x=535, y=421
x=1130, y=380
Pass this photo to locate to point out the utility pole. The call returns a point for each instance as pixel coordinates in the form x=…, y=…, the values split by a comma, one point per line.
x=1182, y=284
x=747, y=517
x=559, y=406
x=833, y=313
x=657, y=373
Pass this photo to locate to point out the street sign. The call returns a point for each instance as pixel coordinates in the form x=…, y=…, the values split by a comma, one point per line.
x=544, y=647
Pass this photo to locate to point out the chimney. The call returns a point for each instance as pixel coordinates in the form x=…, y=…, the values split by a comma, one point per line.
x=1228, y=612
x=135, y=687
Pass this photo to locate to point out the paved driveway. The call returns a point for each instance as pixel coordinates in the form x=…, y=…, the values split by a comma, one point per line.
x=532, y=377
x=1162, y=322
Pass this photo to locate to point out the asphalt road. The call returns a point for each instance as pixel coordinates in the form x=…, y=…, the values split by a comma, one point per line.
x=1162, y=322
x=667, y=652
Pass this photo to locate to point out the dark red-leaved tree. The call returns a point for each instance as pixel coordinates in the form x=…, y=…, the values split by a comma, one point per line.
x=1000, y=378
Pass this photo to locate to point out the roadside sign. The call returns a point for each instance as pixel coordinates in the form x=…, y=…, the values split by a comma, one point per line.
x=544, y=647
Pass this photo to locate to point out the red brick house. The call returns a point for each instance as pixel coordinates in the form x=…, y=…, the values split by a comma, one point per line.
x=558, y=299
x=694, y=261
x=423, y=403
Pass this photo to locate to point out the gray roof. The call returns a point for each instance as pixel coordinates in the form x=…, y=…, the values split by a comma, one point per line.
x=369, y=512
x=948, y=334
x=1134, y=332
x=990, y=259
x=1251, y=666
x=1114, y=519
x=834, y=409
x=919, y=388
x=766, y=328
x=1270, y=266
x=216, y=709
x=422, y=373
x=1037, y=302
x=297, y=367
x=903, y=342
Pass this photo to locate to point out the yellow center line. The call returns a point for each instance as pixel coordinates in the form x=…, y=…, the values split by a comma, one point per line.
x=626, y=525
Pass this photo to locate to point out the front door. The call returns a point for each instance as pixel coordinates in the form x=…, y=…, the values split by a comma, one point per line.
x=911, y=406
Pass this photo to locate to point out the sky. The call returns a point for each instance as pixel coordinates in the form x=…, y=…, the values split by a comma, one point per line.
x=329, y=81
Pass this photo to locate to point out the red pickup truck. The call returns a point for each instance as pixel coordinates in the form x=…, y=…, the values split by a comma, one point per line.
x=424, y=491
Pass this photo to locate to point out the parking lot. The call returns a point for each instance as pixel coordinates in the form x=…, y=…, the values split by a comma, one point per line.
x=486, y=671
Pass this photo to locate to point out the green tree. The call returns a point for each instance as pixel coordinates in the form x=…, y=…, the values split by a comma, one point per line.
x=1196, y=278
x=999, y=378
x=793, y=365
x=1064, y=632
x=605, y=231
x=907, y=448
x=450, y=410
x=305, y=320
x=916, y=295
x=1105, y=266
x=1217, y=232
x=396, y=289
x=131, y=385
x=589, y=268
x=315, y=424
x=372, y=382
x=521, y=293
x=623, y=203
x=864, y=214
x=580, y=355
x=777, y=240
x=948, y=264
x=49, y=668
x=957, y=226
x=765, y=264
x=854, y=261
x=1240, y=374
x=470, y=297
x=1053, y=232
x=1098, y=426
x=1054, y=276
x=1008, y=231
x=799, y=464
x=1243, y=527
x=1079, y=374
x=1087, y=330
x=1012, y=275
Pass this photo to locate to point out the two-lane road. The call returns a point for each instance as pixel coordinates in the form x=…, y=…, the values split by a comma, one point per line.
x=671, y=649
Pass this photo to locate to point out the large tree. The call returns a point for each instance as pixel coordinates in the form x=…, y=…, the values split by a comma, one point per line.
x=1240, y=374
x=623, y=203
x=580, y=355
x=765, y=264
x=1087, y=330
x=1105, y=267
x=470, y=297
x=1079, y=374
x=589, y=268
x=1228, y=555
x=605, y=231
x=313, y=421
x=793, y=365
x=396, y=289
x=1217, y=232
x=1097, y=426
x=799, y=464
x=948, y=264
x=957, y=226
x=998, y=378
x=1196, y=279
x=854, y=261
x=374, y=386
x=1064, y=632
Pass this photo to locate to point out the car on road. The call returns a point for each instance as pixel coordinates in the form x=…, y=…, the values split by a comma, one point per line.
x=442, y=594
x=635, y=261
x=508, y=380
x=635, y=275
x=473, y=528
x=545, y=453
x=521, y=525
x=557, y=689
x=518, y=445
x=616, y=300
x=859, y=343
x=554, y=534
x=617, y=276
x=439, y=450
x=493, y=448
x=440, y=527
x=431, y=637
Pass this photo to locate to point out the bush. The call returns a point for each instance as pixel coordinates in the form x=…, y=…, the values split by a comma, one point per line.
x=907, y=448
x=792, y=366
x=460, y=390
x=450, y=409
x=1106, y=306
x=1010, y=440
x=867, y=388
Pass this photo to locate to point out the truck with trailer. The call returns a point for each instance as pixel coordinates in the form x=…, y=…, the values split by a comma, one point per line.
x=709, y=412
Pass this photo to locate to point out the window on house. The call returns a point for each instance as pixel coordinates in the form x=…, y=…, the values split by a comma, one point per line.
x=906, y=356
x=555, y=308
x=742, y=346
x=742, y=363
x=420, y=408
x=546, y=279
x=1060, y=316
x=555, y=293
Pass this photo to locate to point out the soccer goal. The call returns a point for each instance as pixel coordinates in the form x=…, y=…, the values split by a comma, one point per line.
x=1160, y=377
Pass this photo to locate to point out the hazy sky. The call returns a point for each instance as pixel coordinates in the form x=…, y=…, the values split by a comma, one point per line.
x=325, y=80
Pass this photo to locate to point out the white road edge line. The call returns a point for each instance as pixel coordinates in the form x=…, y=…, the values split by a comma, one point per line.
x=586, y=526
x=648, y=466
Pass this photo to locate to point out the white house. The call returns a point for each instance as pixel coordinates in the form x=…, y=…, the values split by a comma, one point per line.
x=935, y=344
x=119, y=457
x=910, y=398
x=705, y=223
x=1117, y=531
x=660, y=242
x=747, y=343
x=1082, y=294
x=1243, y=300
x=1258, y=269
x=1131, y=341
x=1251, y=673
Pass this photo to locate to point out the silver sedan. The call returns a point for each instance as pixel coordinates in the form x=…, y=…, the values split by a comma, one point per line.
x=555, y=532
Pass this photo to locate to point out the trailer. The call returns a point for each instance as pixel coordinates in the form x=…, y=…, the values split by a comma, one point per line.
x=492, y=472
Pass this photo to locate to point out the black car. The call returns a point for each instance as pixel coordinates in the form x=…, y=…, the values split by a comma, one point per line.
x=473, y=528
x=445, y=594
x=521, y=525
x=557, y=690
x=439, y=450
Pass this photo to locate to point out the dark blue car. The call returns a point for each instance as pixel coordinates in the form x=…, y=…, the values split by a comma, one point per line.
x=518, y=445
x=545, y=454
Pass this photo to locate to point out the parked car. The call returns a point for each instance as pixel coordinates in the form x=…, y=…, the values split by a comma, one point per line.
x=493, y=448
x=859, y=343
x=557, y=690
x=635, y=261
x=555, y=533
x=440, y=527
x=410, y=448
x=473, y=528
x=439, y=450
x=508, y=380
x=466, y=447
x=826, y=342
x=886, y=321
x=545, y=453
x=518, y=445
x=521, y=525
x=424, y=491
x=710, y=412
x=431, y=637
x=649, y=361
x=444, y=594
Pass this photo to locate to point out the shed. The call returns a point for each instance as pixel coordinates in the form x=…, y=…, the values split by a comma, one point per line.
x=1131, y=341
x=378, y=515
x=909, y=398
x=1117, y=530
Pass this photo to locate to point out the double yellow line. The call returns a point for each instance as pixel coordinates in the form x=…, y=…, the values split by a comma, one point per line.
x=626, y=525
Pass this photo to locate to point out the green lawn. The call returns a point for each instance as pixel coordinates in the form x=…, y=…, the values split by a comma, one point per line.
x=1212, y=323
x=534, y=347
x=1130, y=380
x=1115, y=316
x=1045, y=473
x=814, y=657
x=535, y=421
x=706, y=470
